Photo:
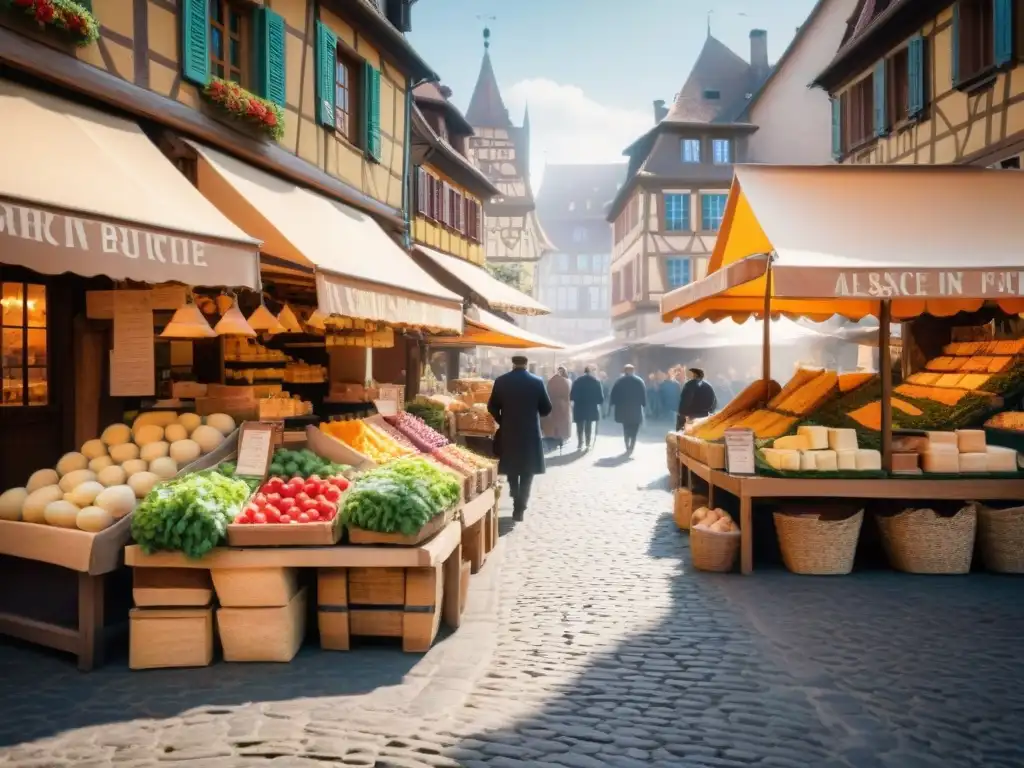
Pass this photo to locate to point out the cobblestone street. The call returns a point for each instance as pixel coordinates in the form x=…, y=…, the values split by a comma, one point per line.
x=588, y=642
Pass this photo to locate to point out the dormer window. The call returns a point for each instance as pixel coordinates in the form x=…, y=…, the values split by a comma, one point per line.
x=689, y=150
x=712, y=94
x=721, y=151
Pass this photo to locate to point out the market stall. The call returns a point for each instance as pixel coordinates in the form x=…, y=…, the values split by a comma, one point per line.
x=828, y=435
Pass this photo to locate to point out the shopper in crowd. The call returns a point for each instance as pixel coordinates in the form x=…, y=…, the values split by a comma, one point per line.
x=697, y=399
x=557, y=425
x=587, y=397
x=517, y=403
x=652, y=394
x=668, y=394
x=629, y=398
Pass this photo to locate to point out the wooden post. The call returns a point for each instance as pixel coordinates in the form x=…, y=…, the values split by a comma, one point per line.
x=885, y=369
x=766, y=349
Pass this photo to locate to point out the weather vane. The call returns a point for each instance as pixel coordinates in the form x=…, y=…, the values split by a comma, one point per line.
x=487, y=30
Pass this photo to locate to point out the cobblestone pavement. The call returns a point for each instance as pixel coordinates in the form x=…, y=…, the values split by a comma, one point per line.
x=589, y=642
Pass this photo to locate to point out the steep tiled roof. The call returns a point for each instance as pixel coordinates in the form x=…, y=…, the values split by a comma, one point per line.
x=486, y=107
x=717, y=69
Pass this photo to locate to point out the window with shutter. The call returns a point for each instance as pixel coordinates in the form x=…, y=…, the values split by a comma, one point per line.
x=195, y=42
x=438, y=210
x=974, y=39
x=346, y=96
x=270, y=56
x=837, y=133
x=915, y=77
x=326, y=64
x=421, y=180
x=229, y=41
x=371, y=112
x=1002, y=31
x=460, y=210
x=878, y=83
x=857, y=108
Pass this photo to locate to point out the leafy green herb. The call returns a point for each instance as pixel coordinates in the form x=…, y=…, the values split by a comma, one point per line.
x=401, y=497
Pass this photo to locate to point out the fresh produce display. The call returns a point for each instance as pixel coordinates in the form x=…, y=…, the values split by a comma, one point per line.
x=295, y=501
x=431, y=412
x=303, y=463
x=379, y=424
x=454, y=460
x=371, y=443
x=189, y=514
x=475, y=459
x=423, y=436
x=400, y=498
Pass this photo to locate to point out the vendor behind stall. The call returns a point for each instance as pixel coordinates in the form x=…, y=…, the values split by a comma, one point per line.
x=697, y=399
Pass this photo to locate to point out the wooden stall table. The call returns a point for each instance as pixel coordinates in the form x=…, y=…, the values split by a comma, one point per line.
x=747, y=488
x=477, y=524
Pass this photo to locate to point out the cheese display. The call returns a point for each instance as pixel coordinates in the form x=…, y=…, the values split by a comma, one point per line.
x=1000, y=459
x=842, y=439
x=868, y=460
x=946, y=462
x=819, y=449
x=794, y=442
x=972, y=462
x=970, y=440
x=826, y=461
x=846, y=460
x=816, y=436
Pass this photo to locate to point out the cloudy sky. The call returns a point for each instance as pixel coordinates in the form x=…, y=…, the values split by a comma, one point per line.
x=589, y=69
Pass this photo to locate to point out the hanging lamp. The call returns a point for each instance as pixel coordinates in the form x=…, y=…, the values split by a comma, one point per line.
x=317, y=320
x=188, y=323
x=232, y=322
x=263, y=320
x=288, y=319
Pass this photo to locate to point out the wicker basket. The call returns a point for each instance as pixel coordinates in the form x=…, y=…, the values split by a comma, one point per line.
x=816, y=547
x=684, y=501
x=920, y=541
x=1001, y=539
x=713, y=551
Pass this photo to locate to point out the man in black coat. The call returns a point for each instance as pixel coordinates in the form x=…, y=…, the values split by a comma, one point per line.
x=517, y=402
x=586, y=396
x=697, y=399
x=629, y=397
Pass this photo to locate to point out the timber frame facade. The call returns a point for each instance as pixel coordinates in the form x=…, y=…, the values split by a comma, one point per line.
x=930, y=82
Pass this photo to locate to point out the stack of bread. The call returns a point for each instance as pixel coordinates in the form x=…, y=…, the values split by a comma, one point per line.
x=716, y=520
x=821, y=449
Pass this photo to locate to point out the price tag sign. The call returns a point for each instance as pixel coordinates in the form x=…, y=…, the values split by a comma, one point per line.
x=739, y=451
x=255, y=447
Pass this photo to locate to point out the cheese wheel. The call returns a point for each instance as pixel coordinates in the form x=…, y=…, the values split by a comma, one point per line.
x=846, y=460
x=826, y=461
x=842, y=439
x=816, y=436
x=970, y=440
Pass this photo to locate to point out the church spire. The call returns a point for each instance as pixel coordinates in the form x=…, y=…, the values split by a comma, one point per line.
x=486, y=107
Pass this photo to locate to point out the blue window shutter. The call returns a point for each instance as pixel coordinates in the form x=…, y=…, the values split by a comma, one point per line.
x=1002, y=31
x=881, y=123
x=270, y=61
x=837, y=129
x=955, y=37
x=371, y=112
x=195, y=41
x=915, y=76
x=326, y=71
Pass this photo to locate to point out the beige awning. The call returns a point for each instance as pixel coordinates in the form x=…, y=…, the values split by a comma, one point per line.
x=360, y=271
x=484, y=329
x=85, y=192
x=839, y=239
x=478, y=282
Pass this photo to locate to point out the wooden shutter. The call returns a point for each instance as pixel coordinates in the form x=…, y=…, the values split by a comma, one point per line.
x=837, y=130
x=438, y=210
x=881, y=123
x=460, y=212
x=1002, y=32
x=195, y=42
x=421, y=198
x=326, y=72
x=270, y=55
x=915, y=76
x=954, y=58
x=371, y=112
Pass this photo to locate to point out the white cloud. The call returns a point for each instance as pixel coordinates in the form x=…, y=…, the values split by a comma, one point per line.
x=567, y=126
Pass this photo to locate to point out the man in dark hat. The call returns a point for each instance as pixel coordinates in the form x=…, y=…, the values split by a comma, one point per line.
x=697, y=399
x=517, y=402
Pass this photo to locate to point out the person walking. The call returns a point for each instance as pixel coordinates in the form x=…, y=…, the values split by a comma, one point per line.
x=517, y=403
x=587, y=397
x=668, y=394
x=697, y=399
x=557, y=425
x=629, y=397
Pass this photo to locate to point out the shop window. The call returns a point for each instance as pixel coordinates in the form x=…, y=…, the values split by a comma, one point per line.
x=229, y=41
x=712, y=211
x=677, y=213
x=973, y=40
x=857, y=106
x=678, y=272
x=346, y=97
x=23, y=344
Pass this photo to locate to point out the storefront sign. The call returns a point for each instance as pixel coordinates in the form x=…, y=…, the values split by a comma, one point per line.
x=892, y=284
x=52, y=242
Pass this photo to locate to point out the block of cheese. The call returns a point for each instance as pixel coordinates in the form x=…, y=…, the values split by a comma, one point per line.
x=973, y=462
x=773, y=457
x=817, y=436
x=790, y=461
x=938, y=438
x=846, y=460
x=1000, y=459
x=940, y=461
x=970, y=440
x=807, y=462
x=868, y=460
x=826, y=461
x=942, y=448
x=905, y=462
x=792, y=442
x=842, y=439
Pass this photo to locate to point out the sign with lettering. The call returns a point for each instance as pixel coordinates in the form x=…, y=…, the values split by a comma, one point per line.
x=52, y=242
x=809, y=282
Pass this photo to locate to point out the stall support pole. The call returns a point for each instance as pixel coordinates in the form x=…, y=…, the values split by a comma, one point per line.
x=885, y=369
x=766, y=349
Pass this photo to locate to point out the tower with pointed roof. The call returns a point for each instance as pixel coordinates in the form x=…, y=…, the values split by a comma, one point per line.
x=512, y=232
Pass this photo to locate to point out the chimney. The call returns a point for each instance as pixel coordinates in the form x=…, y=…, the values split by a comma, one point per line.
x=660, y=110
x=759, y=53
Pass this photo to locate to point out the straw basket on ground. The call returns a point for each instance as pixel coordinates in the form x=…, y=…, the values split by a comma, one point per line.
x=712, y=550
x=684, y=502
x=1001, y=539
x=816, y=546
x=922, y=541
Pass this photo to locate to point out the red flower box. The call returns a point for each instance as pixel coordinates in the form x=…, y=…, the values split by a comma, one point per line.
x=64, y=16
x=247, y=107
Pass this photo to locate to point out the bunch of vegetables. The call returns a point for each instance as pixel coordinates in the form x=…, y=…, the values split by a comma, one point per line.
x=453, y=459
x=373, y=444
x=432, y=413
x=416, y=429
x=400, y=498
x=189, y=514
x=295, y=501
x=380, y=425
x=304, y=463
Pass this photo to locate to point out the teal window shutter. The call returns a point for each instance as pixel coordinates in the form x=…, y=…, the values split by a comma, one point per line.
x=326, y=71
x=371, y=112
x=915, y=76
x=881, y=122
x=195, y=41
x=270, y=62
x=1002, y=31
x=955, y=37
x=837, y=129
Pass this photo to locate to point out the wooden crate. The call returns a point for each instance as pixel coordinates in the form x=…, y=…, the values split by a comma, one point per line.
x=320, y=534
x=332, y=608
x=424, y=590
x=255, y=587
x=171, y=587
x=376, y=601
x=358, y=535
x=170, y=637
x=263, y=634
